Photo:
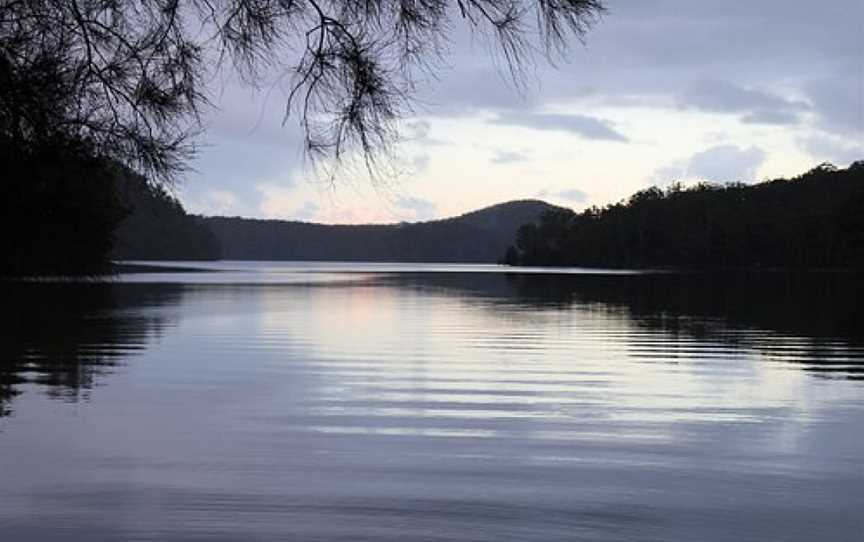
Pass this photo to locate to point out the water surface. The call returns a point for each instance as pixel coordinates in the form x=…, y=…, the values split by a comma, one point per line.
x=388, y=402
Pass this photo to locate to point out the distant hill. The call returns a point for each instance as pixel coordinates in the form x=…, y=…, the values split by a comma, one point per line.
x=815, y=220
x=477, y=237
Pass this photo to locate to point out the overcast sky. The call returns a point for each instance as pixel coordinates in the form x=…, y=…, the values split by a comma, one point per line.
x=663, y=90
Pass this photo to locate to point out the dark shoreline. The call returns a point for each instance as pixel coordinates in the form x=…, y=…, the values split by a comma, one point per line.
x=118, y=268
x=708, y=270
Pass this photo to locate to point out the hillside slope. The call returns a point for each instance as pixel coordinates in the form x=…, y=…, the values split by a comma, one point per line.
x=477, y=237
x=157, y=226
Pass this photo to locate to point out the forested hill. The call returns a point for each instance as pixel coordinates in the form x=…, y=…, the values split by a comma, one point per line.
x=479, y=236
x=815, y=220
x=156, y=227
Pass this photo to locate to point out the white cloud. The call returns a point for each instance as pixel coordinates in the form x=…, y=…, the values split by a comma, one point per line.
x=669, y=173
x=420, y=163
x=508, y=157
x=307, y=212
x=726, y=163
x=278, y=201
x=581, y=125
x=213, y=202
x=569, y=195
x=417, y=208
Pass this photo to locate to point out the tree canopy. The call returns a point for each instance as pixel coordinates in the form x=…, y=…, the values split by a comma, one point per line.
x=129, y=78
x=815, y=220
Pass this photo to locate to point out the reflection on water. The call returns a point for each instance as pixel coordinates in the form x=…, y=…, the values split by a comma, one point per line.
x=814, y=319
x=335, y=404
x=63, y=336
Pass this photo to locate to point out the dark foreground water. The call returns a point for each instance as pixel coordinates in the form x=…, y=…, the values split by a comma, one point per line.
x=358, y=403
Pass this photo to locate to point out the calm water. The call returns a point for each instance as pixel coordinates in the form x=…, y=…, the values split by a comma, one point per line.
x=343, y=402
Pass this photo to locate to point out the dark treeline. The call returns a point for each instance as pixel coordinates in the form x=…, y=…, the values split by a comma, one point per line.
x=815, y=220
x=156, y=227
x=65, y=212
x=58, y=210
x=479, y=236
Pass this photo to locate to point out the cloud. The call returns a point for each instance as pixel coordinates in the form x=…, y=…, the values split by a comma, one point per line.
x=726, y=163
x=471, y=85
x=653, y=49
x=766, y=116
x=839, y=103
x=420, y=209
x=758, y=107
x=420, y=163
x=246, y=140
x=307, y=212
x=285, y=202
x=825, y=148
x=213, y=202
x=724, y=97
x=582, y=125
x=508, y=157
x=669, y=173
x=354, y=214
x=572, y=195
x=276, y=201
x=419, y=131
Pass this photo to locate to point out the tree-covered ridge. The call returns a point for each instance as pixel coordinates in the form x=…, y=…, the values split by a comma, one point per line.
x=478, y=237
x=815, y=220
x=157, y=227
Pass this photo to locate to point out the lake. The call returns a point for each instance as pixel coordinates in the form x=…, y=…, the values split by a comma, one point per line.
x=277, y=401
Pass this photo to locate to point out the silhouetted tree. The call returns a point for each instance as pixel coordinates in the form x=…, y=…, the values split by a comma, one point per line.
x=58, y=209
x=129, y=77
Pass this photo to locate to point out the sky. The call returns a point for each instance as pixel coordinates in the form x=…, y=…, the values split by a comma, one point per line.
x=661, y=91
